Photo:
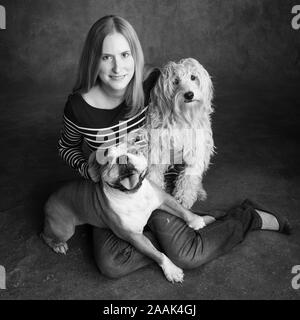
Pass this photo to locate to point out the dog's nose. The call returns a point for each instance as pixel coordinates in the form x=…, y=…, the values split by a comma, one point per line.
x=189, y=95
x=123, y=159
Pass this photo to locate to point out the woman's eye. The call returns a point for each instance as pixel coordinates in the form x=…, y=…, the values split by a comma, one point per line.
x=176, y=81
x=126, y=54
x=105, y=58
x=193, y=77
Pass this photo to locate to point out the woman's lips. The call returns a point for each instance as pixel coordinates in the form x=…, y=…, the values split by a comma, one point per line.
x=118, y=77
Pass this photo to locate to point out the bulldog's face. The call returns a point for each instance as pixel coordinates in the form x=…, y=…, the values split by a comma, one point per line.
x=125, y=169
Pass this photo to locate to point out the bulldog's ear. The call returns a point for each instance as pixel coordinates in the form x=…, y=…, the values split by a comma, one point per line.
x=101, y=156
x=135, y=137
x=132, y=137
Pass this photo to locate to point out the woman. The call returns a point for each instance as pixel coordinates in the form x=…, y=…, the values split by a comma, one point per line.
x=109, y=99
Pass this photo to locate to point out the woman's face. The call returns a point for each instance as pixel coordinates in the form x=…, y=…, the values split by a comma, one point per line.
x=116, y=67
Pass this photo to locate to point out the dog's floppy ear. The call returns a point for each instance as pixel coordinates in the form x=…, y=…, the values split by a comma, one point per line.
x=161, y=94
x=101, y=156
x=204, y=77
x=138, y=140
x=136, y=136
x=207, y=86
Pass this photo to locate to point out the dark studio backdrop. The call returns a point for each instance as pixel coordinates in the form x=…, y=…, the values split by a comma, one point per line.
x=249, y=40
x=242, y=43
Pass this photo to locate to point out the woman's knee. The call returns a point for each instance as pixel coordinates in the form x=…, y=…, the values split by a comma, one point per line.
x=114, y=261
x=180, y=243
x=110, y=253
x=109, y=267
x=115, y=257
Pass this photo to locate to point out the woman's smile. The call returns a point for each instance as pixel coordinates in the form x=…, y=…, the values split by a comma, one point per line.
x=118, y=77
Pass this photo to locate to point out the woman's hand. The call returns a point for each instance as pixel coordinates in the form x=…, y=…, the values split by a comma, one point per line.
x=94, y=168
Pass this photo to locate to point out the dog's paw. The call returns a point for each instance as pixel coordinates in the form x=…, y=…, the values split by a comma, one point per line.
x=61, y=248
x=187, y=202
x=184, y=200
x=208, y=219
x=172, y=272
x=197, y=223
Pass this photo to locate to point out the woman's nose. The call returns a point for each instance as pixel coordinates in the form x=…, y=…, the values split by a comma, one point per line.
x=116, y=66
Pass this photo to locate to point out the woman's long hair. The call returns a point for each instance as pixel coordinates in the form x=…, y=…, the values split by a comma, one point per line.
x=90, y=58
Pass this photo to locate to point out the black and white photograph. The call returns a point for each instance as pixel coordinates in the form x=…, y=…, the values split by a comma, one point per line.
x=150, y=152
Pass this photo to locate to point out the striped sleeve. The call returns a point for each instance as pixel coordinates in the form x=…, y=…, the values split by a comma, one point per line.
x=69, y=145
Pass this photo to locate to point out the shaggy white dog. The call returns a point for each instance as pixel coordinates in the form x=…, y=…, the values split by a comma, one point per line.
x=179, y=128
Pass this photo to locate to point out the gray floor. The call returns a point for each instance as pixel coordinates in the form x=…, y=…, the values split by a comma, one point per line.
x=256, y=132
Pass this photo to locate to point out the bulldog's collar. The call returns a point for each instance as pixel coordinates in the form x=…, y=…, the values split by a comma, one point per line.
x=120, y=187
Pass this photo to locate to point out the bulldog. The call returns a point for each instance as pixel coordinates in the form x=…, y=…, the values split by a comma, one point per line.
x=122, y=201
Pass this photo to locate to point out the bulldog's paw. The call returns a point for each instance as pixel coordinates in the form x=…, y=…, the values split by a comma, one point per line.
x=196, y=223
x=199, y=222
x=60, y=247
x=172, y=272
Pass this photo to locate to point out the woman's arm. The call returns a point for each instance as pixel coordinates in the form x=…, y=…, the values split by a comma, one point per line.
x=70, y=148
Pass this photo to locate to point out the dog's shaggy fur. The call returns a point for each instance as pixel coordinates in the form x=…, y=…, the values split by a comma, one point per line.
x=179, y=128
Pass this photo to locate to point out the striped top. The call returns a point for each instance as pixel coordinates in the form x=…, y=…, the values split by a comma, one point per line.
x=96, y=128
